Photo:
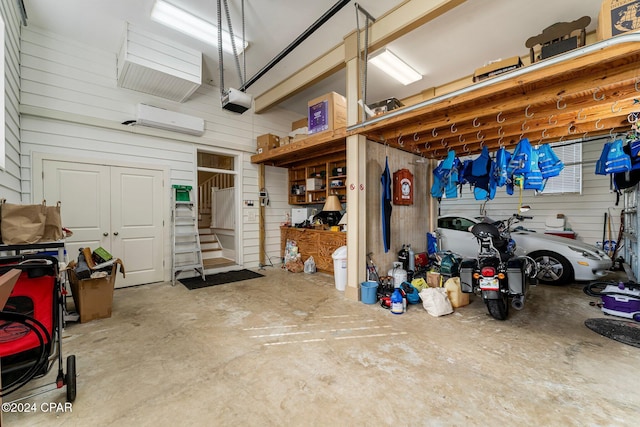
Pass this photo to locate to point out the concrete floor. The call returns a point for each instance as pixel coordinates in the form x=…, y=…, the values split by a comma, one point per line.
x=289, y=350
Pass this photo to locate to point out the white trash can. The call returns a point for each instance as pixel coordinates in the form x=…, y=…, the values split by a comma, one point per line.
x=340, y=267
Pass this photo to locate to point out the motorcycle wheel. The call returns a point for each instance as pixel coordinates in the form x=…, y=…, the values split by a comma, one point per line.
x=498, y=308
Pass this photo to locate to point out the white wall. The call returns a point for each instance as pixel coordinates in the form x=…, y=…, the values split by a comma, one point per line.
x=71, y=106
x=584, y=212
x=10, y=174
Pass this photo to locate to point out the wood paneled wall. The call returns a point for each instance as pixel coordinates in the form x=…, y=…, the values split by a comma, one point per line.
x=409, y=224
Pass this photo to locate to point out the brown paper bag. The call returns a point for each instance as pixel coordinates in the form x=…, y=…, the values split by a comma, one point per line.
x=22, y=224
x=53, y=224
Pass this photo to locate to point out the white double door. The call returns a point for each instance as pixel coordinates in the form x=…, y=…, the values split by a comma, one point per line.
x=117, y=208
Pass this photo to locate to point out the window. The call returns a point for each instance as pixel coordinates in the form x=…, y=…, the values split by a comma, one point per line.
x=570, y=179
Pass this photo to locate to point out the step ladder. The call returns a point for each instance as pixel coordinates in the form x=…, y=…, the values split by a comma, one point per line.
x=187, y=252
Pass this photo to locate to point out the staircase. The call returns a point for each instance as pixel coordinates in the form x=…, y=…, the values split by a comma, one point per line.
x=212, y=251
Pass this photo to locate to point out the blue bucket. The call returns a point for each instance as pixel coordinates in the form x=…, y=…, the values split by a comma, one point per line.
x=369, y=292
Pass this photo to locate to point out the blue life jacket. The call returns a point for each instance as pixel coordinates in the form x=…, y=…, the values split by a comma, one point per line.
x=521, y=159
x=480, y=193
x=480, y=166
x=465, y=176
x=500, y=170
x=550, y=165
x=451, y=185
x=617, y=160
x=437, y=188
x=445, y=177
x=634, y=146
x=533, y=179
x=601, y=163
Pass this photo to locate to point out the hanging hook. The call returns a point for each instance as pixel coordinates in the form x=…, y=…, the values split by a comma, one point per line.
x=614, y=106
x=636, y=85
x=611, y=134
x=475, y=123
x=498, y=118
x=500, y=132
x=585, y=135
x=415, y=137
x=480, y=137
x=526, y=112
x=522, y=127
x=465, y=148
x=558, y=104
x=461, y=139
x=561, y=138
x=632, y=117
x=500, y=143
x=597, y=123
x=580, y=115
x=544, y=133
x=569, y=129
x=435, y=153
x=427, y=145
x=482, y=144
x=555, y=122
x=454, y=129
x=597, y=98
x=521, y=136
x=444, y=144
x=434, y=133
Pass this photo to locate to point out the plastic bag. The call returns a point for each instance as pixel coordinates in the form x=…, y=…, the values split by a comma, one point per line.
x=295, y=265
x=310, y=265
x=436, y=301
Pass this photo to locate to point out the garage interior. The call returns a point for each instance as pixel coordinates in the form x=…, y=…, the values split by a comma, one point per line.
x=295, y=348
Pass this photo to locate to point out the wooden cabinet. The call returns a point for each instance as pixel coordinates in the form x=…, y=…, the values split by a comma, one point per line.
x=319, y=243
x=311, y=182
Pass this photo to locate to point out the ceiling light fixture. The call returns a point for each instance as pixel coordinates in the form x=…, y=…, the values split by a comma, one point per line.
x=395, y=67
x=183, y=21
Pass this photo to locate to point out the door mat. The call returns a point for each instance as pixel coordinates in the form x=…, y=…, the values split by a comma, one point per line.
x=624, y=331
x=219, y=279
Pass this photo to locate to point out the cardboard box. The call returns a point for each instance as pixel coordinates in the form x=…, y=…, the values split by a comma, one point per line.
x=267, y=142
x=298, y=124
x=617, y=17
x=497, y=68
x=285, y=141
x=433, y=279
x=326, y=113
x=93, y=298
x=314, y=184
x=299, y=137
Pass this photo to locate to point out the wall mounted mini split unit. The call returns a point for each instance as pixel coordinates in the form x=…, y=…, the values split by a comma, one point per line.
x=169, y=120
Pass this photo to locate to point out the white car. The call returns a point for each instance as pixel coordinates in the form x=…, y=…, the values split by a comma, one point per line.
x=560, y=260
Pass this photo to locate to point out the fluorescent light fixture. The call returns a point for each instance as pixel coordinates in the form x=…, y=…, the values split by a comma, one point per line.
x=395, y=67
x=183, y=21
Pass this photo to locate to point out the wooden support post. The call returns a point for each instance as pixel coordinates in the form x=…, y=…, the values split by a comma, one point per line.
x=261, y=211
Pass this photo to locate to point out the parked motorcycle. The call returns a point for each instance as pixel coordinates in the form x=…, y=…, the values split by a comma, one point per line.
x=497, y=274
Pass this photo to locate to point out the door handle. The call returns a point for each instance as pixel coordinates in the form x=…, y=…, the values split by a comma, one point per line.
x=115, y=233
x=105, y=234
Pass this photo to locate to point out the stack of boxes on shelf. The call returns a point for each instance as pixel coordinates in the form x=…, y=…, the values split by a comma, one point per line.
x=324, y=114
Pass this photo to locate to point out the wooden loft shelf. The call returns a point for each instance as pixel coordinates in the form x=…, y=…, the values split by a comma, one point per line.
x=586, y=92
x=317, y=145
